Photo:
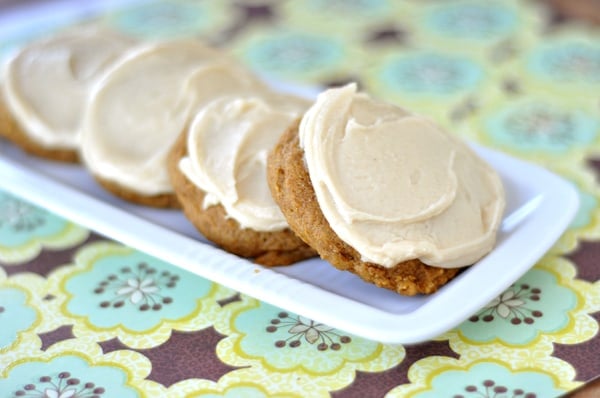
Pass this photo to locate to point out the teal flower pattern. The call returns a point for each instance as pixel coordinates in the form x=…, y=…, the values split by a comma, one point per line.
x=534, y=305
x=488, y=380
x=349, y=7
x=18, y=217
x=133, y=290
x=66, y=377
x=471, y=20
x=163, y=20
x=287, y=341
x=301, y=330
x=533, y=125
x=16, y=316
x=294, y=55
x=430, y=73
x=566, y=62
x=25, y=229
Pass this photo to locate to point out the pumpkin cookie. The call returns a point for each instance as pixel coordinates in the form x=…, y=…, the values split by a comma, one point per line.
x=143, y=104
x=10, y=129
x=218, y=171
x=46, y=85
x=384, y=194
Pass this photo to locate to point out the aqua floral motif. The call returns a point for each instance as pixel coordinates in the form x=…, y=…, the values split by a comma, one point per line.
x=16, y=315
x=294, y=55
x=301, y=330
x=18, y=217
x=66, y=377
x=534, y=305
x=161, y=19
x=288, y=341
x=539, y=126
x=567, y=62
x=472, y=20
x=356, y=8
x=431, y=74
x=511, y=305
x=490, y=380
x=138, y=286
x=25, y=229
x=134, y=290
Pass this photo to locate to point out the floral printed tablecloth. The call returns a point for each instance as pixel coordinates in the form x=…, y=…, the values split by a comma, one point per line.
x=84, y=316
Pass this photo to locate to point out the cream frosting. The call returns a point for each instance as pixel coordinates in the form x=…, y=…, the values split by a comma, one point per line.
x=395, y=186
x=145, y=102
x=47, y=83
x=228, y=143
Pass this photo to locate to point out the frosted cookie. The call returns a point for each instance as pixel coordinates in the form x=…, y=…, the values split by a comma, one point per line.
x=218, y=170
x=140, y=108
x=46, y=84
x=384, y=193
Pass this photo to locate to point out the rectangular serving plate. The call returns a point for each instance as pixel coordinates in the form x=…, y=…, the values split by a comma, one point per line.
x=540, y=206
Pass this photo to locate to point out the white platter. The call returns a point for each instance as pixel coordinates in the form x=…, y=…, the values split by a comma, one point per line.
x=540, y=206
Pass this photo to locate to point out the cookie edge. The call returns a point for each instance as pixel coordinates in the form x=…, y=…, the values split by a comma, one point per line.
x=292, y=189
x=265, y=248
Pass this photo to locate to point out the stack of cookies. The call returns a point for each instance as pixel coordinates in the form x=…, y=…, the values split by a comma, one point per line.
x=370, y=187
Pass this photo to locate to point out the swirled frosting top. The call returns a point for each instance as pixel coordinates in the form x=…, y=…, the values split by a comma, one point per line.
x=395, y=186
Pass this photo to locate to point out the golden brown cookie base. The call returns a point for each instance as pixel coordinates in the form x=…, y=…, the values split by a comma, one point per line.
x=292, y=190
x=266, y=248
x=167, y=200
x=10, y=129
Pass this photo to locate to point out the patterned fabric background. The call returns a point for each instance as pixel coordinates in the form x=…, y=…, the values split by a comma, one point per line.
x=83, y=316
